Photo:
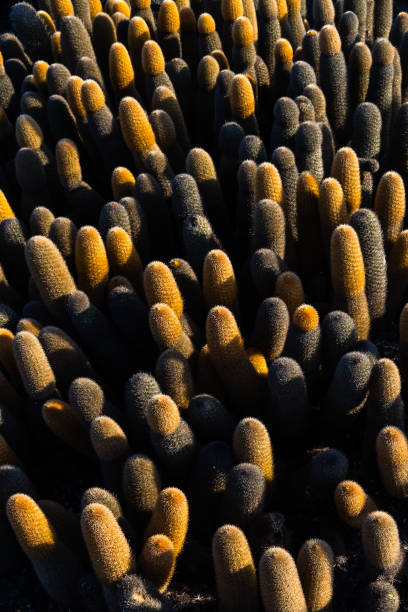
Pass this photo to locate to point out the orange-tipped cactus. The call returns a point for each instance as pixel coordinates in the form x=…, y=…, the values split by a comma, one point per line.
x=352, y=503
x=157, y=561
x=219, y=284
x=389, y=206
x=252, y=444
x=136, y=129
x=289, y=288
x=167, y=330
x=281, y=589
x=109, y=551
x=392, y=460
x=160, y=286
x=268, y=184
x=123, y=257
x=235, y=571
x=242, y=103
x=33, y=365
x=123, y=182
x=65, y=423
x=121, y=73
x=348, y=277
x=381, y=544
x=332, y=208
x=170, y=518
x=55, y=565
x=91, y=264
x=315, y=565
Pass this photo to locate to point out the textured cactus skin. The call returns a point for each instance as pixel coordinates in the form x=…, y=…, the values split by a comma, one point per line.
x=392, y=450
x=170, y=517
x=64, y=423
x=272, y=315
x=381, y=544
x=315, y=566
x=381, y=596
x=157, y=561
x=109, y=551
x=244, y=495
x=219, y=284
x=352, y=503
x=389, y=205
x=50, y=273
x=235, y=571
x=333, y=79
x=91, y=264
x=281, y=589
x=174, y=376
x=252, y=444
x=56, y=567
x=368, y=230
x=349, y=278
x=33, y=365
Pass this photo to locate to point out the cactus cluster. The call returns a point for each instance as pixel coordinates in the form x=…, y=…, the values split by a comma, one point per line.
x=204, y=305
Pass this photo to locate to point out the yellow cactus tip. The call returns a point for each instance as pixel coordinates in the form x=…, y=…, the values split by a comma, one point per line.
x=283, y=51
x=242, y=32
x=329, y=40
x=306, y=317
x=40, y=70
x=242, y=97
x=383, y=52
x=141, y=5
x=168, y=20
x=205, y=24
x=312, y=33
x=28, y=132
x=231, y=9
x=92, y=96
x=152, y=58
x=136, y=130
x=163, y=416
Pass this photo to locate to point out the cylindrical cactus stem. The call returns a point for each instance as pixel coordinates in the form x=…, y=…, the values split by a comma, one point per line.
x=287, y=381
x=309, y=235
x=333, y=80
x=347, y=392
x=348, y=29
x=269, y=32
x=50, y=273
x=315, y=566
x=111, y=447
x=352, y=503
x=269, y=227
x=289, y=289
x=55, y=565
x=308, y=149
x=284, y=160
x=167, y=330
x=367, y=123
x=381, y=86
x=123, y=258
x=142, y=8
x=174, y=376
x=303, y=343
x=136, y=129
x=348, y=277
x=285, y=123
x=208, y=37
x=91, y=264
x=235, y=571
x=123, y=182
x=368, y=229
x=306, y=109
x=141, y=486
x=332, y=209
x=389, y=205
x=230, y=11
x=188, y=33
x=381, y=544
x=281, y=589
x=108, y=549
x=160, y=286
x=360, y=62
x=63, y=233
x=139, y=390
x=121, y=73
x=227, y=354
x=398, y=274
x=381, y=596
x=171, y=437
x=65, y=424
x=268, y=184
x=398, y=29
x=40, y=219
x=346, y=170
x=157, y=561
x=168, y=26
x=244, y=495
x=219, y=283
x=301, y=75
x=165, y=99
x=392, y=461
x=243, y=48
x=166, y=137
x=189, y=287
x=323, y=13
x=170, y=517
x=384, y=405
x=242, y=103
x=218, y=426
x=75, y=42
x=34, y=368
x=295, y=22
x=271, y=326
x=382, y=18
x=154, y=68
x=252, y=444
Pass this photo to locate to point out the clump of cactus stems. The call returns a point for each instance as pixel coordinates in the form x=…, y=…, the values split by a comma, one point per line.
x=203, y=265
